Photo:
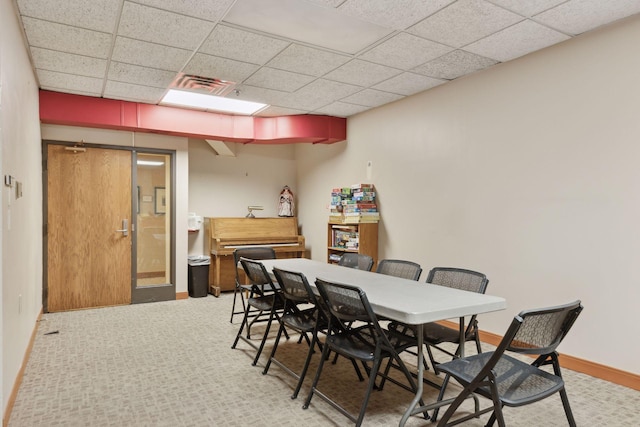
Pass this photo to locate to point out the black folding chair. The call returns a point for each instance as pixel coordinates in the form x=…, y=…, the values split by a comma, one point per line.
x=265, y=306
x=258, y=253
x=399, y=268
x=508, y=381
x=435, y=333
x=357, y=337
x=310, y=320
x=357, y=261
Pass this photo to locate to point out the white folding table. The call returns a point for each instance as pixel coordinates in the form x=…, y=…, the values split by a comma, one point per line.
x=403, y=300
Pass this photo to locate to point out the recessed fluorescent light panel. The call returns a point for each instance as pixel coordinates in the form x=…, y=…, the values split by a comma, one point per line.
x=210, y=102
x=149, y=163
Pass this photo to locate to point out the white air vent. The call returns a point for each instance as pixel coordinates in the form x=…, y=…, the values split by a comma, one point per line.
x=202, y=84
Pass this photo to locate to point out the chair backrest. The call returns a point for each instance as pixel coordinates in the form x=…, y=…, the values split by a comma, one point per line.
x=540, y=331
x=399, y=268
x=345, y=302
x=294, y=286
x=357, y=261
x=256, y=272
x=260, y=252
x=458, y=278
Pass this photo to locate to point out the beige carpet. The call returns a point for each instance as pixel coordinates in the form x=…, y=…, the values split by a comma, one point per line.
x=170, y=364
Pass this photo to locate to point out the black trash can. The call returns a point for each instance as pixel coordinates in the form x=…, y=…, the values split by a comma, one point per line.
x=198, y=276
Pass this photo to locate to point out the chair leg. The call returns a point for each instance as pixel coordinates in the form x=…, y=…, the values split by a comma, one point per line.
x=264, y=337
x=325, y=355
x=372, y=381
x=496, y=415
x=233, y=307
x=357, y=369
x=567, y=408
x=387, y=369
x=434, y=364
x=453, y=407
x=273, y=350
x=443, y=389
x=242, y=325
x=307, y=361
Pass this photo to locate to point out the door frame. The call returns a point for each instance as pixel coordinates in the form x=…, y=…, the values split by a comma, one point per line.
x=165, y=292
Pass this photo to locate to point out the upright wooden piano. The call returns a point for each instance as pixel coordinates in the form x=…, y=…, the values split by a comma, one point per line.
x=224, y=235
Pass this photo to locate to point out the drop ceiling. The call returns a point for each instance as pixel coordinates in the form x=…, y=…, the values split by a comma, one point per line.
x=333, y=57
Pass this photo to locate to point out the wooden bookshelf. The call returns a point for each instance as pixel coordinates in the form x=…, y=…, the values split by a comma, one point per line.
x=339, y=234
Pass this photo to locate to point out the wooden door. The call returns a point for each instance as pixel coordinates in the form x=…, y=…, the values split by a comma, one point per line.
x=88, y=197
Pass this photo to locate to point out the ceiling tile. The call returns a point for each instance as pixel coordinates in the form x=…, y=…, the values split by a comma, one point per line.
x=403, y=13
x=62, y=81
x=372, y=98
x=69, y=63
x=527, y=8
x=408, y=84
x=341, y=109
x=99, y=15
x=65, y=38
x=307, y=60
x=149, y=54
x=464, y=22
x=578, y=16
x=328, y=3
x=271, y=78
x=454, y=64
x=362, y=73
x=318, y=94
x=306, y=22
x=209, y=10
x=158, y=26
x=232, y=43
x=258, y=94
x=219, y=68
x=127, y=73
x=405, y=51
x=515, y=41
x=130, y=92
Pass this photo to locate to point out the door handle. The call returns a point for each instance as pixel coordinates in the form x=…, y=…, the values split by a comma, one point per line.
x=125, y=228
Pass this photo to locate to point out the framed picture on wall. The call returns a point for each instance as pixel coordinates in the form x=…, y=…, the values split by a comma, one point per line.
x=160, y=200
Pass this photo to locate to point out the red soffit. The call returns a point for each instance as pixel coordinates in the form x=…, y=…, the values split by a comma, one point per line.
x=77, y=110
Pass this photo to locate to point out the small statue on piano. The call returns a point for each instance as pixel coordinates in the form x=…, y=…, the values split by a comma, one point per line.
x=286, y=205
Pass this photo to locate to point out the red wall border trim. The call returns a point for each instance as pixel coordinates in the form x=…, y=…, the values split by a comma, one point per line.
x=77, y=110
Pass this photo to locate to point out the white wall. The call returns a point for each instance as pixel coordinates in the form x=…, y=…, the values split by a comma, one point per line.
x=527, y=172
x=21, y=282
x=146, y=140
x=222, y=186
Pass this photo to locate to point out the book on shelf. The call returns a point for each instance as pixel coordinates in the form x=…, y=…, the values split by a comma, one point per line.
x=350, y=203
x=355, y=220
x=363, y=210
x=356, y=187
x=363, y=214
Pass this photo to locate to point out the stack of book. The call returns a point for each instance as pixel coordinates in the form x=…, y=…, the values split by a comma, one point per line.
x=345, y=238
x=353, y=205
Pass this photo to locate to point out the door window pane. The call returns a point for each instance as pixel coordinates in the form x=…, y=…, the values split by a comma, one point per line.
x=153, y=219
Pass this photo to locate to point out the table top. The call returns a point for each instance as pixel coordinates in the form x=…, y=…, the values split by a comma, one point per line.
x=398, y=299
